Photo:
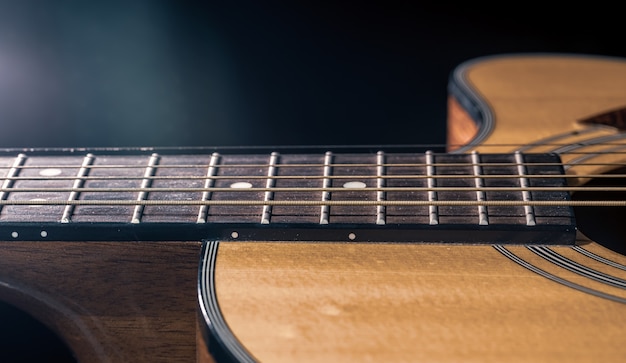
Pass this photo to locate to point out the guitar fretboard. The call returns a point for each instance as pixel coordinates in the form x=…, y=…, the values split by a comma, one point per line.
x=292, y=196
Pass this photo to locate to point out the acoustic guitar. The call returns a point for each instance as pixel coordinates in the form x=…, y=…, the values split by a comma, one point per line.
x=510, y=247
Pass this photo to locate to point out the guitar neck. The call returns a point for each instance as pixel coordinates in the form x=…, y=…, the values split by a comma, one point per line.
x=352, y=196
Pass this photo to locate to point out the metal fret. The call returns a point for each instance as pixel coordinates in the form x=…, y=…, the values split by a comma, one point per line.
x=381, y=210
x=269, y=195
x=378, y=197
x=12, y=173
x=433, y=210
x=208, y=183
x=326, y=183
x=526, y=196
x=145, y=183
x=483, y=218
x=78, y=183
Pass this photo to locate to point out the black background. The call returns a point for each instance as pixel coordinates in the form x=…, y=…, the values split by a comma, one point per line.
x=194, y=73
x=77, y=73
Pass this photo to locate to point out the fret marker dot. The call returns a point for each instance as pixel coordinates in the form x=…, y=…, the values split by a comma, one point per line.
x=241, y=185
x=354, y=185
x=50, y=172
x=234, y=235
x=44, y=234
x=15, y=234
x=352, y=236
x=37, y=200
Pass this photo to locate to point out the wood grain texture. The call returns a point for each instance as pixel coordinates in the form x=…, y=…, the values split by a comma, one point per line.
x=405, y=303
x=434, y=302
x=202, y=348
x=536, y=97
x=109, y=301
x=360, y=302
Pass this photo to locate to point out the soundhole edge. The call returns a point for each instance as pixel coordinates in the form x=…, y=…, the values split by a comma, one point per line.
x=604, y=225
x=25, y=339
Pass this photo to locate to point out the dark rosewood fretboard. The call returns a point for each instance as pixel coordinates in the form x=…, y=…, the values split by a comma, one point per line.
x=182, y=195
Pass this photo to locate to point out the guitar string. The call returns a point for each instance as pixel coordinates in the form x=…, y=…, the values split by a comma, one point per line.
x=259, y=149
x=307, y=189
x=571, y=147
x=318, y=165
x=580, y=160
x=313, y=177
x=13, y=189
x=339, y=165
x=554, y=140
x=303, y=203
x=575, y=161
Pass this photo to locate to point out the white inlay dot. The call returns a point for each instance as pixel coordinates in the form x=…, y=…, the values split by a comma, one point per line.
x=37, y=200
x=50, y=172
x=234, y=235
x=14, y=234
x=44, y=234
x=241, y=185
x=352, y=236
x=354, y=185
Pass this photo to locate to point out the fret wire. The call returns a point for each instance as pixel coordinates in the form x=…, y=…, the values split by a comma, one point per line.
x=208, y=186
x=314, y=189
x=8, y=182
x=483, y=218
x=145, y=184
x=381, y=210
x=526, y=196
x=269, y=194
x=299, y=203
x=78, y=184
x=433, y=210
x=326, y=183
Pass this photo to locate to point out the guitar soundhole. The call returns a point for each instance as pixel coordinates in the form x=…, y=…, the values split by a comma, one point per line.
x=604, y=225
x=24, y=339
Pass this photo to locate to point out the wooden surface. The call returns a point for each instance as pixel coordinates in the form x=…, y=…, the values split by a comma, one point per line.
x=109, y=301
x=339, y=302
x=533, y=98
x=407, y=303
x=359, y=302
x=461, y=128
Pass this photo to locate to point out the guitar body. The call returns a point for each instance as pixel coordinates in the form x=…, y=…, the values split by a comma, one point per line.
x=108, y=301
x=239, y=299
x=404, y=302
